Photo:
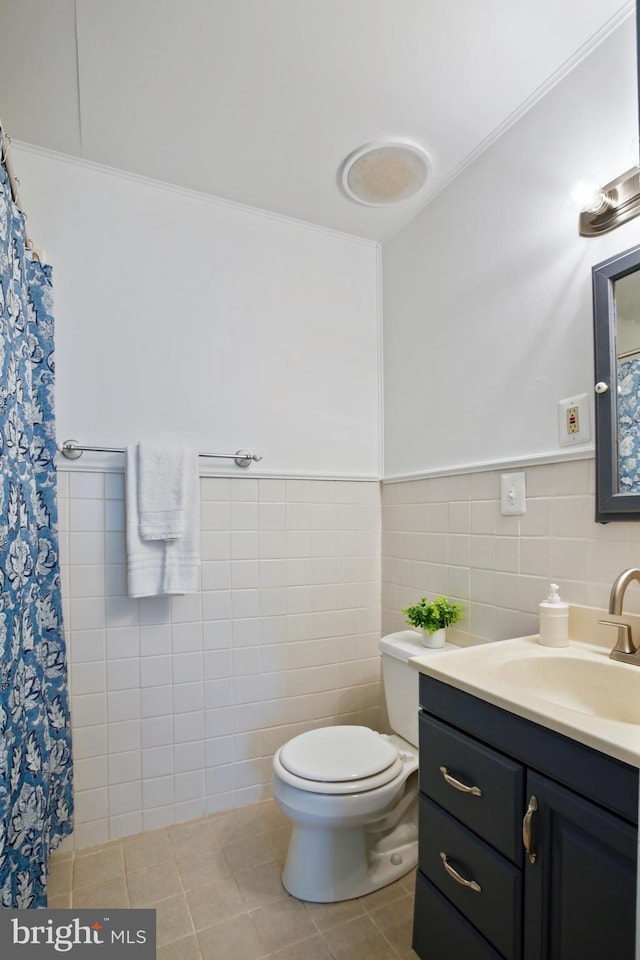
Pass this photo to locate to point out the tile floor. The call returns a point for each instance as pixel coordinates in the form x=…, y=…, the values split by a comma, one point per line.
x=215, y=884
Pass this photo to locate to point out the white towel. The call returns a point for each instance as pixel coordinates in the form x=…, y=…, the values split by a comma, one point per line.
x=161, y=490
x=157, y=567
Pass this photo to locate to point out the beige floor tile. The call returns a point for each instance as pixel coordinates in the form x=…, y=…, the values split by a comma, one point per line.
x=235, y=825
x=279, y=840
x=357, y=939
x=395, y=891
x=96, y=848
x=409, y=882
x=110, y=894
x=221, y=876
x=194, y=838
x=61, y=902
x=395, y=923
x=270, y=817
x=215, y=903
x=326, y=915
x=203, y=868
x=147, y=849
x=60, y=877
x=186, y=827
x=282, y=923
x=60, y=857
x=173, y=920
x=186, y=949
x=90, y=869
x=154, y=883
x=313, y=949
x=250, y=852
x=235, y=939
x=261, y=885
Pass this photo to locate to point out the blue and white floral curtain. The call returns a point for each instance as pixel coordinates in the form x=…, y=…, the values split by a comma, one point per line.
x=36, y=804
x=629, y=425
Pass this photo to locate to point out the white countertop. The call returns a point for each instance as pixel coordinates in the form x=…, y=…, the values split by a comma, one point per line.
x=505, y=673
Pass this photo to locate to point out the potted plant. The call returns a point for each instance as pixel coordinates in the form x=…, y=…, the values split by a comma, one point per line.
x=432, y=617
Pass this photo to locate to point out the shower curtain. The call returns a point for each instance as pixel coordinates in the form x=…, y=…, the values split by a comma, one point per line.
x=36, y=805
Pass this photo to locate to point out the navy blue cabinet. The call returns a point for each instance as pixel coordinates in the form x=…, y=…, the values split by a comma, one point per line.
x=580, y=891
x=528, y=840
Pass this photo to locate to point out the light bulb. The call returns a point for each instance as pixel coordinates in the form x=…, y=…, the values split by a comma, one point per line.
x=588, y=196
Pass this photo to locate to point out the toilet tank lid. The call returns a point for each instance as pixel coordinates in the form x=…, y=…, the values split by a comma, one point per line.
x=402, y=645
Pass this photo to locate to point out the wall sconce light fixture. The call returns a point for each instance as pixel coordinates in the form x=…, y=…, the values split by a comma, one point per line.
x=605, y=208
x=619, y=201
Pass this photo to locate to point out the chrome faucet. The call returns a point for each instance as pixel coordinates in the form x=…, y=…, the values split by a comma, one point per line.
x=625, y=649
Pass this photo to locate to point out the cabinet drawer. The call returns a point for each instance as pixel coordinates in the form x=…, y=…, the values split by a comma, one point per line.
x=495, y=909
x=441, y=933
x=495, y=814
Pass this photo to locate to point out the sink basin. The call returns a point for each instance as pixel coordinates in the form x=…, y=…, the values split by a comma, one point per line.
x=576, y=690
x=599, y=688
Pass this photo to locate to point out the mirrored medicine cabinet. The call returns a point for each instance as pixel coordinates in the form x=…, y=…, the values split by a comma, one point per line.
x=616, y=301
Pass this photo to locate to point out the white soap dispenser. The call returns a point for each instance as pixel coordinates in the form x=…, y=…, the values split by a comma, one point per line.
x=554, y=620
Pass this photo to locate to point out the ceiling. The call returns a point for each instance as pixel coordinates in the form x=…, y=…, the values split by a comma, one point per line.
x=260, y=101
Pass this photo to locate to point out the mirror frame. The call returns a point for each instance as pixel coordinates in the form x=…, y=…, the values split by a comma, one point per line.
x=610, y=504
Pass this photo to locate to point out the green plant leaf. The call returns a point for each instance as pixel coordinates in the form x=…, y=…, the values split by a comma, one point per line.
x=433, y=615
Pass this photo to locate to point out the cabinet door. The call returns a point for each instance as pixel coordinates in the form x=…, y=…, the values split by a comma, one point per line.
x=580, y=893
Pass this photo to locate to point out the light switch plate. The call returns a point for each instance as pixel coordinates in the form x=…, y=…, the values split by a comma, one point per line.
x=512, y=494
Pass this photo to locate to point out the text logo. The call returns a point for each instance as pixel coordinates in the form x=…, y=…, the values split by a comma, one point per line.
x=32, y=934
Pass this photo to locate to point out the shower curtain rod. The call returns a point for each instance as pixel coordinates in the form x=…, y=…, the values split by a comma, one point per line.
x=72, y=450
x=15, y=189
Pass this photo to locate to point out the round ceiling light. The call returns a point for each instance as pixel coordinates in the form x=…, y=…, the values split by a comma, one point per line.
x=385, y=172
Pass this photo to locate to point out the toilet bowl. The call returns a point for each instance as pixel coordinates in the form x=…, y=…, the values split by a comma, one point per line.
x=352, y=793
x=351, y=835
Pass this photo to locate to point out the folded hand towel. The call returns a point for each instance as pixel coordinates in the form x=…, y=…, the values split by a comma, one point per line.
x=161, y=490
x=157, y=567
x=182, y=556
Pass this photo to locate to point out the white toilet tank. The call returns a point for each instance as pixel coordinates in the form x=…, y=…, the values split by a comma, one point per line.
x=401, y=682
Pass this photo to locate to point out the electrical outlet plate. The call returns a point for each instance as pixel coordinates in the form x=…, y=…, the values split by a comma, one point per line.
x=574, y=420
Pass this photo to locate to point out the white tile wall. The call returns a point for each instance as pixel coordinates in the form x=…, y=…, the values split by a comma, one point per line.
x=179, y=703
x=447, y=535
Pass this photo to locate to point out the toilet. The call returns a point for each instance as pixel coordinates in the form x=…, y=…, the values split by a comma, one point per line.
x=352, y=793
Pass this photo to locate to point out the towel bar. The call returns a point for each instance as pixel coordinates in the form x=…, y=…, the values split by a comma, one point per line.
x=71, y=449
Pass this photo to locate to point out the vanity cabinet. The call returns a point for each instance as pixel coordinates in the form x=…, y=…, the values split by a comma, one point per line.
x=527, y=839
x=580, y=894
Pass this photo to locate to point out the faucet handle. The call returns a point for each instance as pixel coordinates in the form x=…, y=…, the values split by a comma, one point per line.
x=624, y=644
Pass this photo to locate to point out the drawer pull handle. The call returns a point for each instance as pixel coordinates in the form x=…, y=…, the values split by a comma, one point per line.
x=470, y=884
x=526, y=828
x=458, y=785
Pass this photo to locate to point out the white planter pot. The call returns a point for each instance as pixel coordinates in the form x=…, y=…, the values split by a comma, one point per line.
x=433, y=640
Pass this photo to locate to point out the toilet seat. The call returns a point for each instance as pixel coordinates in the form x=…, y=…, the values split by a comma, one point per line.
x=338, y=760
x=337, y=753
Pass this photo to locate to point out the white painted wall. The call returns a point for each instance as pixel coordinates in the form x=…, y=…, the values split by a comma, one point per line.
x=184, y=319
x=487, y=292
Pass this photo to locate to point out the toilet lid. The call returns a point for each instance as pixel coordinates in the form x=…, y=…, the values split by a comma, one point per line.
x=337, y=754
